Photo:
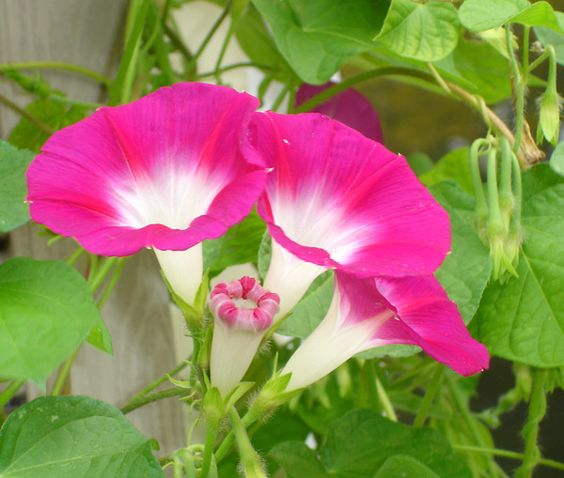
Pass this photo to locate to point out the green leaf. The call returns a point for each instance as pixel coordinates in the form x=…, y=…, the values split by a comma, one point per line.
x=238, y=245
x=73, y=437
x=479, y=68
x=454, y=165
x=557, y=159
x=480, y=15
x=46, y=312
x=420, y=163
x=360, y=442
x=311, y=309
x=316, y=37
x=523, y=319
x=54, y=114
x=548, y=36
x=465, y=272
x=257, y=43
x=404, y=466
x=422, y=31
x=13, y=165
x=297, y=460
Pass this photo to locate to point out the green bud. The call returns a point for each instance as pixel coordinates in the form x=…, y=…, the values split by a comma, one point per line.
x=549, y=116
x=550, y=102
x=214, y=408
x=271, y=396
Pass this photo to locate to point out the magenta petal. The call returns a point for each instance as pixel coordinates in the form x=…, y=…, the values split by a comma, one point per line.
x=341, y=200
x=349, y=107
x=427, y=318
x=165, y=171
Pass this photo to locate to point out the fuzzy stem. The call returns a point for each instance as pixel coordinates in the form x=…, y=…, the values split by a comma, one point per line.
x=250, y=459
x=211, y=436
x=168, y=393
x=225, y=446
x=519, y=84
x=530, y=431
x=153, y=385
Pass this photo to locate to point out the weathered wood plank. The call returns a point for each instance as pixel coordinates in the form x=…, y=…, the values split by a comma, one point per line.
x=84, y=32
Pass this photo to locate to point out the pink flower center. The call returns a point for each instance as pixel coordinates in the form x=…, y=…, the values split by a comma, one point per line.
x=244, y=304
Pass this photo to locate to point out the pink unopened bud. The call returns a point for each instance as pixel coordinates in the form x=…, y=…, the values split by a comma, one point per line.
x=244, y=304
x=243, y=312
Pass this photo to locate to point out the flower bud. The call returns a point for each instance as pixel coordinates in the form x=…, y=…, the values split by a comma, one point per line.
x=549, y=115
x=243, y=312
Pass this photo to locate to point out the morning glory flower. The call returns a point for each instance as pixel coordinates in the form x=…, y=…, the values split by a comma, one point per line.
x=164, y=172
x=243, y=311
x=338, y=200
x=350, y=107
x=367, y=313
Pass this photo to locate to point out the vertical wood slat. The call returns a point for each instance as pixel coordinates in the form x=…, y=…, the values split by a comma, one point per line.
x=84, y=32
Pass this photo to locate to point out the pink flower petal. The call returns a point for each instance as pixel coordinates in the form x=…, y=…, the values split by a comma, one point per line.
x=340, y=200
x=349, y=107
x=165, y=171
x=423, y=316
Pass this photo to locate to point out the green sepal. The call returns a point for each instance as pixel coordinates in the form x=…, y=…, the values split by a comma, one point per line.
x=214, y=407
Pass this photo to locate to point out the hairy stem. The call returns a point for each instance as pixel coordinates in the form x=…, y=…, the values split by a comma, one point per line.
x=159, y=381
x=168, y=393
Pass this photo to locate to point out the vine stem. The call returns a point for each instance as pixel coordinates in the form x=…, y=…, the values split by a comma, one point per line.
x=149, y=388
x=530, y=432
x=469, y=420
x=225, y=446
x=63, y=374
x=519, y=84
x=507, y=454
x=209, y=36
x=9, y=392
x=56, y=65
x=168, y=393
x=24, y=114
x=385, y=401
x=250, y=460
x=429, y=396
x=211, y=436
x=234, y=66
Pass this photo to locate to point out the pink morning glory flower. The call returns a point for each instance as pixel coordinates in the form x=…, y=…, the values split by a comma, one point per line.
x=367, y=313
x=243, y=311
x=349, y=107
x=338, y=200
x=164, y=172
